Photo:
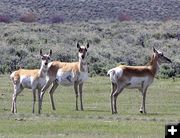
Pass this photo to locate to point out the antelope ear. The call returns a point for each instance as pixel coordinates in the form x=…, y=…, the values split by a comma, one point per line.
x=50, y=52
x=154, y=50
x=40, y=52
x=78, y=46
x=87, y=45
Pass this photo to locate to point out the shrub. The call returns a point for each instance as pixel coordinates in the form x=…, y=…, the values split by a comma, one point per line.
x=167, y=18
x=57, y=19
x=28, y=17
x=64, y=57
x=124, y=17
x=157, y=35
x=31, y=63
x=96, y=40
x=32, y=49
x=107, y=49
x=176, y=67
x=170, y=36
x=21, y=53
x=166, y=71
x=98, y=68
x=93, y=59
x=5, y=19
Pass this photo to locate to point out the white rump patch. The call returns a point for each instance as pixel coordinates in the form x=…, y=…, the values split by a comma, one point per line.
x=12, y=76
x=115, y=73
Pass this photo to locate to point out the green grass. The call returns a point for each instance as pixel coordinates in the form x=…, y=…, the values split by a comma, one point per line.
x=96, y=120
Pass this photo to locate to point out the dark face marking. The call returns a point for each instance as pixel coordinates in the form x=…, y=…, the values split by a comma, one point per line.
x=160, y=56
x=45, y=58
x=82, y=52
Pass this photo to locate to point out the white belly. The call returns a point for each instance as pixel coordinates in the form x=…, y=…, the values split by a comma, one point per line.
x=30, y=83
x=137, y=82
x=26, y=81
x=83, y=76
x=65, y=78
x=68, y=78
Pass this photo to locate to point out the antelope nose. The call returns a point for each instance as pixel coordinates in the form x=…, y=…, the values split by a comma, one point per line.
x=46, y=64
x=82, y=56
x=170, y=61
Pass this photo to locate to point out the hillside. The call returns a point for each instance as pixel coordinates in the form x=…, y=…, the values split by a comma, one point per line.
x=111, y=44
x=85, y=10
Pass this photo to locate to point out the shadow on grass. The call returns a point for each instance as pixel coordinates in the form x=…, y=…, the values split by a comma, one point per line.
x=97, y=110
x=160, y=114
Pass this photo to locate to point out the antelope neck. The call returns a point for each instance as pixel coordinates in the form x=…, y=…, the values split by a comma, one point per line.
x=42, y=71
x=154, y=65
x=82, y=63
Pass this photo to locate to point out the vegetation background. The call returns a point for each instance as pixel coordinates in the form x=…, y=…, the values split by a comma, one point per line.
x=119, y=32
x=111, y=44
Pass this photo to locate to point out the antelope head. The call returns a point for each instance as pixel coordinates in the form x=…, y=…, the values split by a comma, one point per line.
x=82, y=51
x=45, y=58
x=160, y=57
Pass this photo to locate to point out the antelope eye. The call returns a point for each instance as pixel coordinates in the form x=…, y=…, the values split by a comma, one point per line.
x=48, y=58
x=43, y=58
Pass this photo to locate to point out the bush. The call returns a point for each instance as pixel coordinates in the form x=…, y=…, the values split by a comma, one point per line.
x=19, y=40
x=5, y=19
x=32, y=49
x=124, y=17
x=20, y=44
x=57, y=19
x=176, y=67
x=166, y=71
x=157, y=35
x=96, y=40
x=99, y=68
x=28, y=17
x=65, y=57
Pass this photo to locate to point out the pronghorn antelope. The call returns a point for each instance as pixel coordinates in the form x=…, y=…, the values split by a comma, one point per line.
x=31, y=79
x=65, y=73
x=135, y=77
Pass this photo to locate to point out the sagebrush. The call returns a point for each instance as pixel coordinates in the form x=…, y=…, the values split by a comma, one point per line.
x=111, y=44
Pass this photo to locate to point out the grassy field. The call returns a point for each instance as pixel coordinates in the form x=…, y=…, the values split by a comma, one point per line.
x=96, y=121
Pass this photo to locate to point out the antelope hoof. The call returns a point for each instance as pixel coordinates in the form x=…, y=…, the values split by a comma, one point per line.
x=142, y=112
x=114, y=112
